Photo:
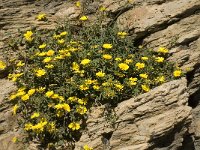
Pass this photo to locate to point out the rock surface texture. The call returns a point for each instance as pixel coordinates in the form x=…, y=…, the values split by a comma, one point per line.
x=167, y=117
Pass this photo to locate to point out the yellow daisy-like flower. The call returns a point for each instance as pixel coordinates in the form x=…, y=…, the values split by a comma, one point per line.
x=144, y=75
x=161, y=79
x=102, y=8
x=81, y=109
x=50, y=53
x=83, y=87
x=100, y=74
x=123, y=66
x=84, y=18
x=25, y=97
x=74, y=126
x=145, y=88
x=144, y=58
x=85, y=61
x=40, y=72
x=15, y=108
x=75, y=66
x=128, y=61
x=49, y=66
x=122, y=34
x=163, y=50
x=41, y=54
x=31, y=92
x=47, y=60
x=78, y=4
x=42, y=46
x=159, y=59
x=63, y=33
x=35, y=115
x=61, y=41
x=41, y=17
x=20, y=64
x=118, y=59
x=107, y=56
x=28, y=36
x=2, y=65
x=107, y=46
x=14, y=139
x=133, y=81
x=66, y=107
x=96, y=87
x=86, y=147
x=119, y=87
x=49, y=94
x=177, y=73
x=140, y=65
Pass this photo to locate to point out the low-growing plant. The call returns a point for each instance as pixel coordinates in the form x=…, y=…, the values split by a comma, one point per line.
x=61, y=73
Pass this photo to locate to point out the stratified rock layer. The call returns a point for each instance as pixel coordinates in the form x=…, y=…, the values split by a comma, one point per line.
x=143, y=122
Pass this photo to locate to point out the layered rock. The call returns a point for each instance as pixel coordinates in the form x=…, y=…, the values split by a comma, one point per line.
x=150, y=121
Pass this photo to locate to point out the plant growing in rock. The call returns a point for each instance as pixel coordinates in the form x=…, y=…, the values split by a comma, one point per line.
x=61, y=73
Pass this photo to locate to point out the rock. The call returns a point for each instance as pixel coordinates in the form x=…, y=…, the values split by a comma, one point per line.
x=146, y=19
x=143, y=122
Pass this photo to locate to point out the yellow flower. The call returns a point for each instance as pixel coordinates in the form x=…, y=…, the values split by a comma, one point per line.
x=86, y=147
x=75, y=66
x=20, y=64
x=139, y=65
x=15, y=108
x=163, y=50
x=42, y=46
x=143, y=75
x=2, y=65
x=55, y=96
x=82, y=101
x=123, y=66
x=122, y=34
x=107, y=56
x=64, y=106
x=145, y=88
x=144, y=58
x=83, y=87
x=72, y=99
x=47, y=60
x=49, y=94
x=177, y=73
x=28, y=36
x=41, y=17
x=14, y=139
x=31, y=92
x=20, y=93
x=40, y=89
x=96, y=87
x=128, y=61
x=81, y=109
x=40, y=72
x=100, y=74
x=61, y=41
x=63, y=33
x=119, y=87
x=13, y=96
x=85, y=61
x=132, y=81
x=118, y=59
x=78, y=4
x=51, y=127
x=28, y=126
x=56, y=36
x=42, y=54
x=25, y=97
x=84, y=18
x=49, y=66
x=107, y=46
x=159, y=59
x=50, y=53
x=74, y=126
x=39, y=127
x=102, y=8
x=161, y=79
x=35, y=115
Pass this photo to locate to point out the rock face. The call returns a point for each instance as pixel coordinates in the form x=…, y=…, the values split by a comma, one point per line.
x=160, y=119
x=143, y=122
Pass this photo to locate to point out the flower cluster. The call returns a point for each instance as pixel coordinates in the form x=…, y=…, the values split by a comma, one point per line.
x=64, y=72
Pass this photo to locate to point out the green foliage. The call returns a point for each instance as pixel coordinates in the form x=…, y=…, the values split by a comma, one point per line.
x=63, y=72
